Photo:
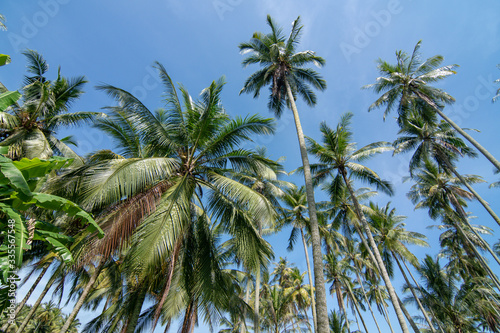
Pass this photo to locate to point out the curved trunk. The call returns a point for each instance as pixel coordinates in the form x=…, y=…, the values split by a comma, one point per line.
x=25, y=299
x=376, y=253
x=431, y=326
x=319, y=280
x=461, y=131
x=309, y=274
x=83, y=296
x=35, y=306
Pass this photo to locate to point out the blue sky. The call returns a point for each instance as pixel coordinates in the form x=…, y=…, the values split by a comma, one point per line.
x=116, y=42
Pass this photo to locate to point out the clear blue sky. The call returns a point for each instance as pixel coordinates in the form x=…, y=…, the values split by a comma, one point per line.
x=116, y=42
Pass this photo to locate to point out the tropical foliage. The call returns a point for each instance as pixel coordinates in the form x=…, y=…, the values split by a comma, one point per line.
x=174, y=227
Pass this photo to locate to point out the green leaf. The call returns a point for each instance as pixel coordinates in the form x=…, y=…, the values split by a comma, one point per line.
x=18, y=233
x=8, y=98
x=4, y=59
x=60, y=249
x=14, y=177
x=52, y=202
x=38, y=168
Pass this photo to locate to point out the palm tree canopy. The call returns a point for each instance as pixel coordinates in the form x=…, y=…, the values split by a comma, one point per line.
x=401, y=83
x=281, y=63
x=29, y=128
x=339, y=154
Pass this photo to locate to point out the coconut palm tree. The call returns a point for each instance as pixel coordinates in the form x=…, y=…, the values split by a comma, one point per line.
x=338, y=161
x=407, y=83
x=435, y=142
x=285, y=71
x=455, y=306
x=29, y=128
x=265, y=181
x=295, y=214
x=176, y=162
x=392, y=237
x=441, y=195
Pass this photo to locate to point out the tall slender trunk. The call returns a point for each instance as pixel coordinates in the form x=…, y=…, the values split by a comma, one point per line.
x=257, y=301
x=372, y=257
x=309, y=274
x=25, y=299
x=417, y=299
x=366, y=298
x=319, y=279
x=460, y=130
x=37, y=303
x=355, y=301
x=83, y=296
x=134, y=316
x=381, y=266
x=386, y=316
x=408, y=316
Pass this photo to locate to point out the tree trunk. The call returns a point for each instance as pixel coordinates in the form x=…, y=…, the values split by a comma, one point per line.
x=134, y=316
x=476, y=195
x=376, y=253
x=461, y=131
x=309, y=274
x=35, y=306
x=256, y=324
x=431, y=326
x=83, y=296
x=366, y=298
x=319, y=280
x=25, y=299
x=386, y=316
x=408, y=316
x=355, y=301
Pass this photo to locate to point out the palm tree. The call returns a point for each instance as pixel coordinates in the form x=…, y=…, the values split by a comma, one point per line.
x=294, y=211
x=264, y=180
x=176, y=165
x=456, y=307
x=406, y=84
x=338, y=322
x=392, y=238
x=338, y=160
x=283, y=69
x=29, y=129
x=437, y=142
x=437, y=191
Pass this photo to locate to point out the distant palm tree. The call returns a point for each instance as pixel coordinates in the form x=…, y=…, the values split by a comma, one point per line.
x=441, y=195
x=435, y=142
x=338, y=161
x=407, y=83
x=284, y=70
x=392, y=238
x=29, y=128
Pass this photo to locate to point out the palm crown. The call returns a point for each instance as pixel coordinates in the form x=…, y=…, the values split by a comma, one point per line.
x=281, y=64
x=407, y=82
